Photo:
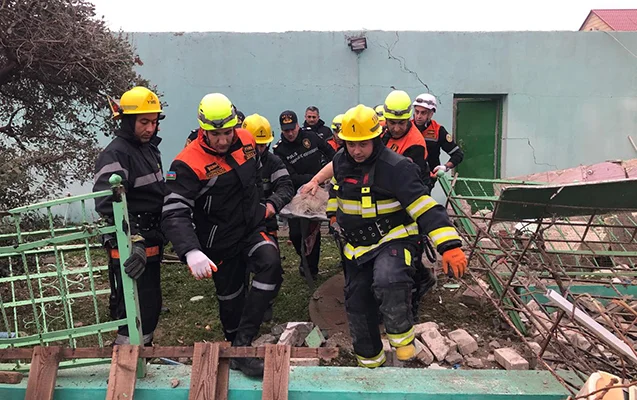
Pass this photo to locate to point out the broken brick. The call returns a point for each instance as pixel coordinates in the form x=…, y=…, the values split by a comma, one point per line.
x=422, y=353
x=419, y=329
x=510, y=359
x=466, y=343
x=473, y=295
x=436, y=343
x=474, y=362
x=453, y=358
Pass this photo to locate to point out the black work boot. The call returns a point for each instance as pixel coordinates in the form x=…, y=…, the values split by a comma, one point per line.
x=249, y=366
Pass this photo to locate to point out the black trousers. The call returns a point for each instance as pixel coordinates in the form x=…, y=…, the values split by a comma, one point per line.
x=296, y=237
x=241, y=311
x=148, y=292
x=384, y=283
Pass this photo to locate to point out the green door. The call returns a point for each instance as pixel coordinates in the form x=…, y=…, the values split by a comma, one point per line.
x=477, y=131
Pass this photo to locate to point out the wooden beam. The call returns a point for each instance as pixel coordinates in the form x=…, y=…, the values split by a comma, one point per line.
x=170, y=352
x=43, y=373
x=205, y=364
x=123, y=375
x=223, y=375
x=276, y=374
x=10, y=377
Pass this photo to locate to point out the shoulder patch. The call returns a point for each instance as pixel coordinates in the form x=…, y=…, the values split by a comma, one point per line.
x=214, y=169
x=449, y=138
x=171, y=175
x=306, y=143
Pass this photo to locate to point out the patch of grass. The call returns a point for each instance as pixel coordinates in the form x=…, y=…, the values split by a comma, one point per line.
x=188, y=322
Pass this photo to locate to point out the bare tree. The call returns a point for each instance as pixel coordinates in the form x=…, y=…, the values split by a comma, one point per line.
x=57, y=64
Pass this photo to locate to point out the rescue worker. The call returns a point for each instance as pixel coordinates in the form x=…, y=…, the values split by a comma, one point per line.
x=304, y=154
x=380, y=203
x=134, y=155
x=436, y=136
x=313, y=122
x=335, y=141
x=380, y=111
x=401, y=135
x=213, y=216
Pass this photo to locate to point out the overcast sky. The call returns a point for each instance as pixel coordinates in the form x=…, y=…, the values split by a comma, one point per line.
x=338, y=15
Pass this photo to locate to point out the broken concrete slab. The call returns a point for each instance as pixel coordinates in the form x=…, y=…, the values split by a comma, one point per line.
x=277, y=330
x=509, y=359
x=423, y=353
x=466, y=343
x=264, y=339
x=289, y=337
x=436, y=343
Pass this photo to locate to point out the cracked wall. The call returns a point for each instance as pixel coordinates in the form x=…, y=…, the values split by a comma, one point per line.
x=571, y=97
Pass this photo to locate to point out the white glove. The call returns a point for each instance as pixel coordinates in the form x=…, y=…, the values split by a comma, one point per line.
x=199, y=264
x=442, y=168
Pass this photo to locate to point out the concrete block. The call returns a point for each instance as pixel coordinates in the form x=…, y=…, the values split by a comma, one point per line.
x=436, y=343
x=466, y=343
x=419, y=329
x=315, y=338
x=474, y=362
x=535, y=346
x=264, y=339
x=423, y=353
x=510, y=359
x=304, y=362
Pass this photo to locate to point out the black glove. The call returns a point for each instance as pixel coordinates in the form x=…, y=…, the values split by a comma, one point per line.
x=136, y=263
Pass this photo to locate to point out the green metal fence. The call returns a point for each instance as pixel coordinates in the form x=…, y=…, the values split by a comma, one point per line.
x=54, y=285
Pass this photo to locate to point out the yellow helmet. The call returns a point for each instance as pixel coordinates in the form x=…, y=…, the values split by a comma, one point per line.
x=360, y=123
x=380, y=111
x=337, y=123
x=397, y=105
x=216, y=112
x=259, y=127
x=138, y=100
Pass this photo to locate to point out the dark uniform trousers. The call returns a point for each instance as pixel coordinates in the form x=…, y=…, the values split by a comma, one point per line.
x=297, y=238
x=148, y=292
x=385, y=282
x=241, y=311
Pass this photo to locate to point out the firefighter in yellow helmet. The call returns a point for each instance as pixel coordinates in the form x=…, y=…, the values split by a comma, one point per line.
x=335, y=141
x=133, y=154
x=215, y=184
x=380, y=204
x=380, y=111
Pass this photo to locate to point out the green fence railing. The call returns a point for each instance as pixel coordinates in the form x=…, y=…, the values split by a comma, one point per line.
x=54, y=285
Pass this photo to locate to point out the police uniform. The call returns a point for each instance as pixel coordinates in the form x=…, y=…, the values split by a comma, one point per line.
x=139, y=165
x=323, y=131
x=220, y=194
x=381, y=206
x=303, y=158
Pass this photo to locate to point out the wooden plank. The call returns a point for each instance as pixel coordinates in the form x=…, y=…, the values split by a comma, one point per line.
x=43, y=372
x=170, y=352
x=223, y=375
x=123, y=374
x=205, y=364
x=276, y=374
x=10, y=377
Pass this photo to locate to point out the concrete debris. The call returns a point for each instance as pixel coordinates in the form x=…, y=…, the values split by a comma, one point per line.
x=491, y=358
x=463, y=204
x=509, y=359
x=423, y=353
x=289, y=337
x=278, y=330
x=535, y=347
x=466, y=343
x=474, y=362
x=453, y=357
x=436, y=366
x=419, y=329
x=436, y=343
x=264, y=339
x=340, y=340
x=473, y=295
x=494, y=344
x=174, y=383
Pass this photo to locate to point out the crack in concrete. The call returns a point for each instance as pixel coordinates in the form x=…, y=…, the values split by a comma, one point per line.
x=402, y=62
x=528, y=142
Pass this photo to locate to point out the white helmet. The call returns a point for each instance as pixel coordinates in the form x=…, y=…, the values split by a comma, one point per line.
x=426, y=100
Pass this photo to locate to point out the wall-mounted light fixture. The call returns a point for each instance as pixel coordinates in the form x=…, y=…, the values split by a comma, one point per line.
x=357, y=44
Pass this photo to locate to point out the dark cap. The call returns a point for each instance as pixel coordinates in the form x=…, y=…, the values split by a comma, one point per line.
x=288, y=120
